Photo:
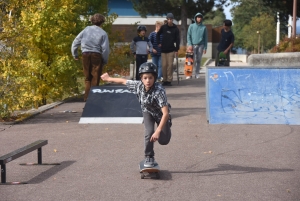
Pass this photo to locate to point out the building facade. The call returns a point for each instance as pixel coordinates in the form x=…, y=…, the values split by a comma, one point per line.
x=128, y=19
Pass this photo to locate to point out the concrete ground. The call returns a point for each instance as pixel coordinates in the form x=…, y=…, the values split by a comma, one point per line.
x=202, y=161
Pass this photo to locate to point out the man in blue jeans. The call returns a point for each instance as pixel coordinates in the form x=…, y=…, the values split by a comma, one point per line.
x=156, y=51
x=197, y=42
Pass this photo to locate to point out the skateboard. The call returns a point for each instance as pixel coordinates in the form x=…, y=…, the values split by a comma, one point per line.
x=149, y=172
x=222, y=59
x=188, y=67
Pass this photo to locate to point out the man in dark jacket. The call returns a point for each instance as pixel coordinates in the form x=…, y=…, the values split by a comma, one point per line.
x=169, y=45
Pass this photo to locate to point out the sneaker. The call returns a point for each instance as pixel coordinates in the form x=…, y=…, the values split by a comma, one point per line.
x=164, y=83
x=197, y=76
x=169, y=84
x=188, y=77
x=149, y=161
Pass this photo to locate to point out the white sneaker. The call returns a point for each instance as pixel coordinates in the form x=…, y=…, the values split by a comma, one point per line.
x=188, y=77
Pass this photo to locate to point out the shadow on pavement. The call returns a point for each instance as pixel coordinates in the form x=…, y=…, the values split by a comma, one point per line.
x=50, y=172
x=235, y=169
x=180, y=112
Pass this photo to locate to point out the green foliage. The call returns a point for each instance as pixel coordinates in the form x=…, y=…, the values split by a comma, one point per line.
x=215, y=18
x=35, y=62
x=119, y=60
x=287, y=45
x=260, y=31
x=284, y=6
x=242, y=13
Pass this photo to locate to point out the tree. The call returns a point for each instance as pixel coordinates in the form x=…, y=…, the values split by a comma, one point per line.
x=215, y=18
x=259, y=33
x=244, y=10
x=285, y=7
x=242, y=13
x=182, y=10
x=35, y=62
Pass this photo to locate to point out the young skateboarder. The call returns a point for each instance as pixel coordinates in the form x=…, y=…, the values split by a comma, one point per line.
x=226, y=43
x=139, y=48
x=155, y=108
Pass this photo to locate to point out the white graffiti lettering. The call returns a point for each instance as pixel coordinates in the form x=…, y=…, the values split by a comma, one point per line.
x=102, y=91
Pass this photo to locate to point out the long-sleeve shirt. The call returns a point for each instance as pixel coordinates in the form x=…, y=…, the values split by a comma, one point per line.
x=152, y=38
x=139, y=45
x=92, y=39
x=197, y=34
x=170, y=36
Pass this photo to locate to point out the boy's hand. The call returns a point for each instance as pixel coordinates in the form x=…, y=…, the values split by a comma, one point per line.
x=189, y=49
x=155, y=136
x=105, y=77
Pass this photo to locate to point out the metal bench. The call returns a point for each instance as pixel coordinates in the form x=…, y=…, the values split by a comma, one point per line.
x=21, y=152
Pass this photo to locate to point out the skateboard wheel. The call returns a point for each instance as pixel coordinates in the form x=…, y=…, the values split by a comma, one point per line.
x=142, y=176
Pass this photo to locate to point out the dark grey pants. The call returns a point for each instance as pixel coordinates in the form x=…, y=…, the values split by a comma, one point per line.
x=164, y=137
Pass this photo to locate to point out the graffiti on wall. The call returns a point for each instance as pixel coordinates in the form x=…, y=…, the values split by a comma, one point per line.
x=254, y=96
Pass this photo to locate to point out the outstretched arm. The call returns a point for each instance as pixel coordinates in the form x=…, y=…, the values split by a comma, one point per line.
x=105, y=77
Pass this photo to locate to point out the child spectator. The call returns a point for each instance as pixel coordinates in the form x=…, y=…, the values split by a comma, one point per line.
x=139, y=47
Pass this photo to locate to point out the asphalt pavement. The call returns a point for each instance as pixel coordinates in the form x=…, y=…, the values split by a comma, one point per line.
x=201, y=162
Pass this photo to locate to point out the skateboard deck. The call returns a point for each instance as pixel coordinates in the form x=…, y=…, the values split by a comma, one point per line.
x=149, y=172
x=188, y=67
x=222, y=59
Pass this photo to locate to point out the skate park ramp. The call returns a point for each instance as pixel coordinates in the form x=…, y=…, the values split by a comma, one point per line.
x=111, y=104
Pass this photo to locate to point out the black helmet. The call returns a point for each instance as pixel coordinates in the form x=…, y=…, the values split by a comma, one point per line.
x=141, y=28
x=148, y=67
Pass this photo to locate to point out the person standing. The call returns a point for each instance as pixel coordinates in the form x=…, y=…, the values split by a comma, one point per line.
x=197, y=42
x=95, y=50
x=226, y=43
x=156, y=51
x=169, y=48
x=139, y=48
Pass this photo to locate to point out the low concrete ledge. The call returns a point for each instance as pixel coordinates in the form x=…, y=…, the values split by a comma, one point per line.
x=239, y=57
x=275, y=59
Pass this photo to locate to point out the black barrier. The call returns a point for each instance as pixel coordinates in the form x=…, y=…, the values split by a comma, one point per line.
x=37, y=145
x=111, y=104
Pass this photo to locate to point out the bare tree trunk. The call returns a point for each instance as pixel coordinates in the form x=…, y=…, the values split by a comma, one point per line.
x=183, y=27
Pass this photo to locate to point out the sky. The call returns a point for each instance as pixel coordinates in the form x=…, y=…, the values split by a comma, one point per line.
x=228, y=14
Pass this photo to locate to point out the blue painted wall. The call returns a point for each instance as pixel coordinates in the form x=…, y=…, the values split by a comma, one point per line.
x=253, y=95
x=122, y=8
